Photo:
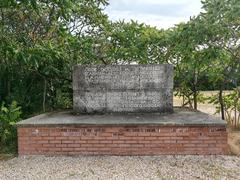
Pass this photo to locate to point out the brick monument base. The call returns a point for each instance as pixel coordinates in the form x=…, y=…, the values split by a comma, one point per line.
x=183, y=132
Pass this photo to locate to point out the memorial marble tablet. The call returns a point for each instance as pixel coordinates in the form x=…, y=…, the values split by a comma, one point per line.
x=122, y=88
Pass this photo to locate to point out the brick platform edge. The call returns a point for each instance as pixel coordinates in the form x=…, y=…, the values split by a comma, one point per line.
x=122, y=140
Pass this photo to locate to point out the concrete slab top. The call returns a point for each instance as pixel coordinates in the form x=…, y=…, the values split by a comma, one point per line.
x=180, y=117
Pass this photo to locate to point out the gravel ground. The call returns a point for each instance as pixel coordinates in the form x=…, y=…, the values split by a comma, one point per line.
x=121, y=167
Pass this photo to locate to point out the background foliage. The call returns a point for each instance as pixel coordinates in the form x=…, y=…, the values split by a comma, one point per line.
x=41, y=40
x=8, y=133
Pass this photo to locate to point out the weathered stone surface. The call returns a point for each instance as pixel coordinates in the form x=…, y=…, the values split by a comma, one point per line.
x=122, y=88
x=180, y=117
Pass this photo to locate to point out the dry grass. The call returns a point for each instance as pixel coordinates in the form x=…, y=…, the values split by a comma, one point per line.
x=206, y=107
x=234, y=141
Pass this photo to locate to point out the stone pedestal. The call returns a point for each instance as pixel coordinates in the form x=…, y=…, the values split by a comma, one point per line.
x=120, y=112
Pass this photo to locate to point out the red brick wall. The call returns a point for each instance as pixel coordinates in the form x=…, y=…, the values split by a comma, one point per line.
x=122, y=140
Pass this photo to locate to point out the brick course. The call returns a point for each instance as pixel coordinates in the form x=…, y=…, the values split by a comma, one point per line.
x=122, y=140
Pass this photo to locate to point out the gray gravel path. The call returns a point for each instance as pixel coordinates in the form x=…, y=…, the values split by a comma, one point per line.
x=121, y=167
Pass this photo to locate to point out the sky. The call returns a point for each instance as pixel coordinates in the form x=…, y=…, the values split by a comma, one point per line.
x=158, y=13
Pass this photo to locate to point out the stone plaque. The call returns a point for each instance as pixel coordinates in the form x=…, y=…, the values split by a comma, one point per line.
x=122, y=88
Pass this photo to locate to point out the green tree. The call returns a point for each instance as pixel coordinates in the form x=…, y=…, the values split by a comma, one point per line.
x=40, y=42
x=130, y=42
x=222, y=19
x=187, y=52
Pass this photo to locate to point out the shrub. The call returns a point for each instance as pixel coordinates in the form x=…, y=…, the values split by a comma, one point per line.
x=231, y=102
x=9, y=115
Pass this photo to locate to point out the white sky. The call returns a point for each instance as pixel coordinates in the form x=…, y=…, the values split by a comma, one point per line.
x=159, y=13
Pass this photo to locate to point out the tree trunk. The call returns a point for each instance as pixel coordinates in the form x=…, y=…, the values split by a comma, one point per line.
x=235, y=108
x=44, y=95
x=195, y=99
x=8, y=82
x=195, y=90
x=8, y=88
x=183, y=102
x=221, y=102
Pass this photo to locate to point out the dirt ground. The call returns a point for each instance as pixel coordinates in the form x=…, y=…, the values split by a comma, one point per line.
x=234, y=141
x=233, y=135
x=164, y=167
x=206, y=107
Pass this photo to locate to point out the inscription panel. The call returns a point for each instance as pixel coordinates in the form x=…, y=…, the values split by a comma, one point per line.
x=122, y=88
